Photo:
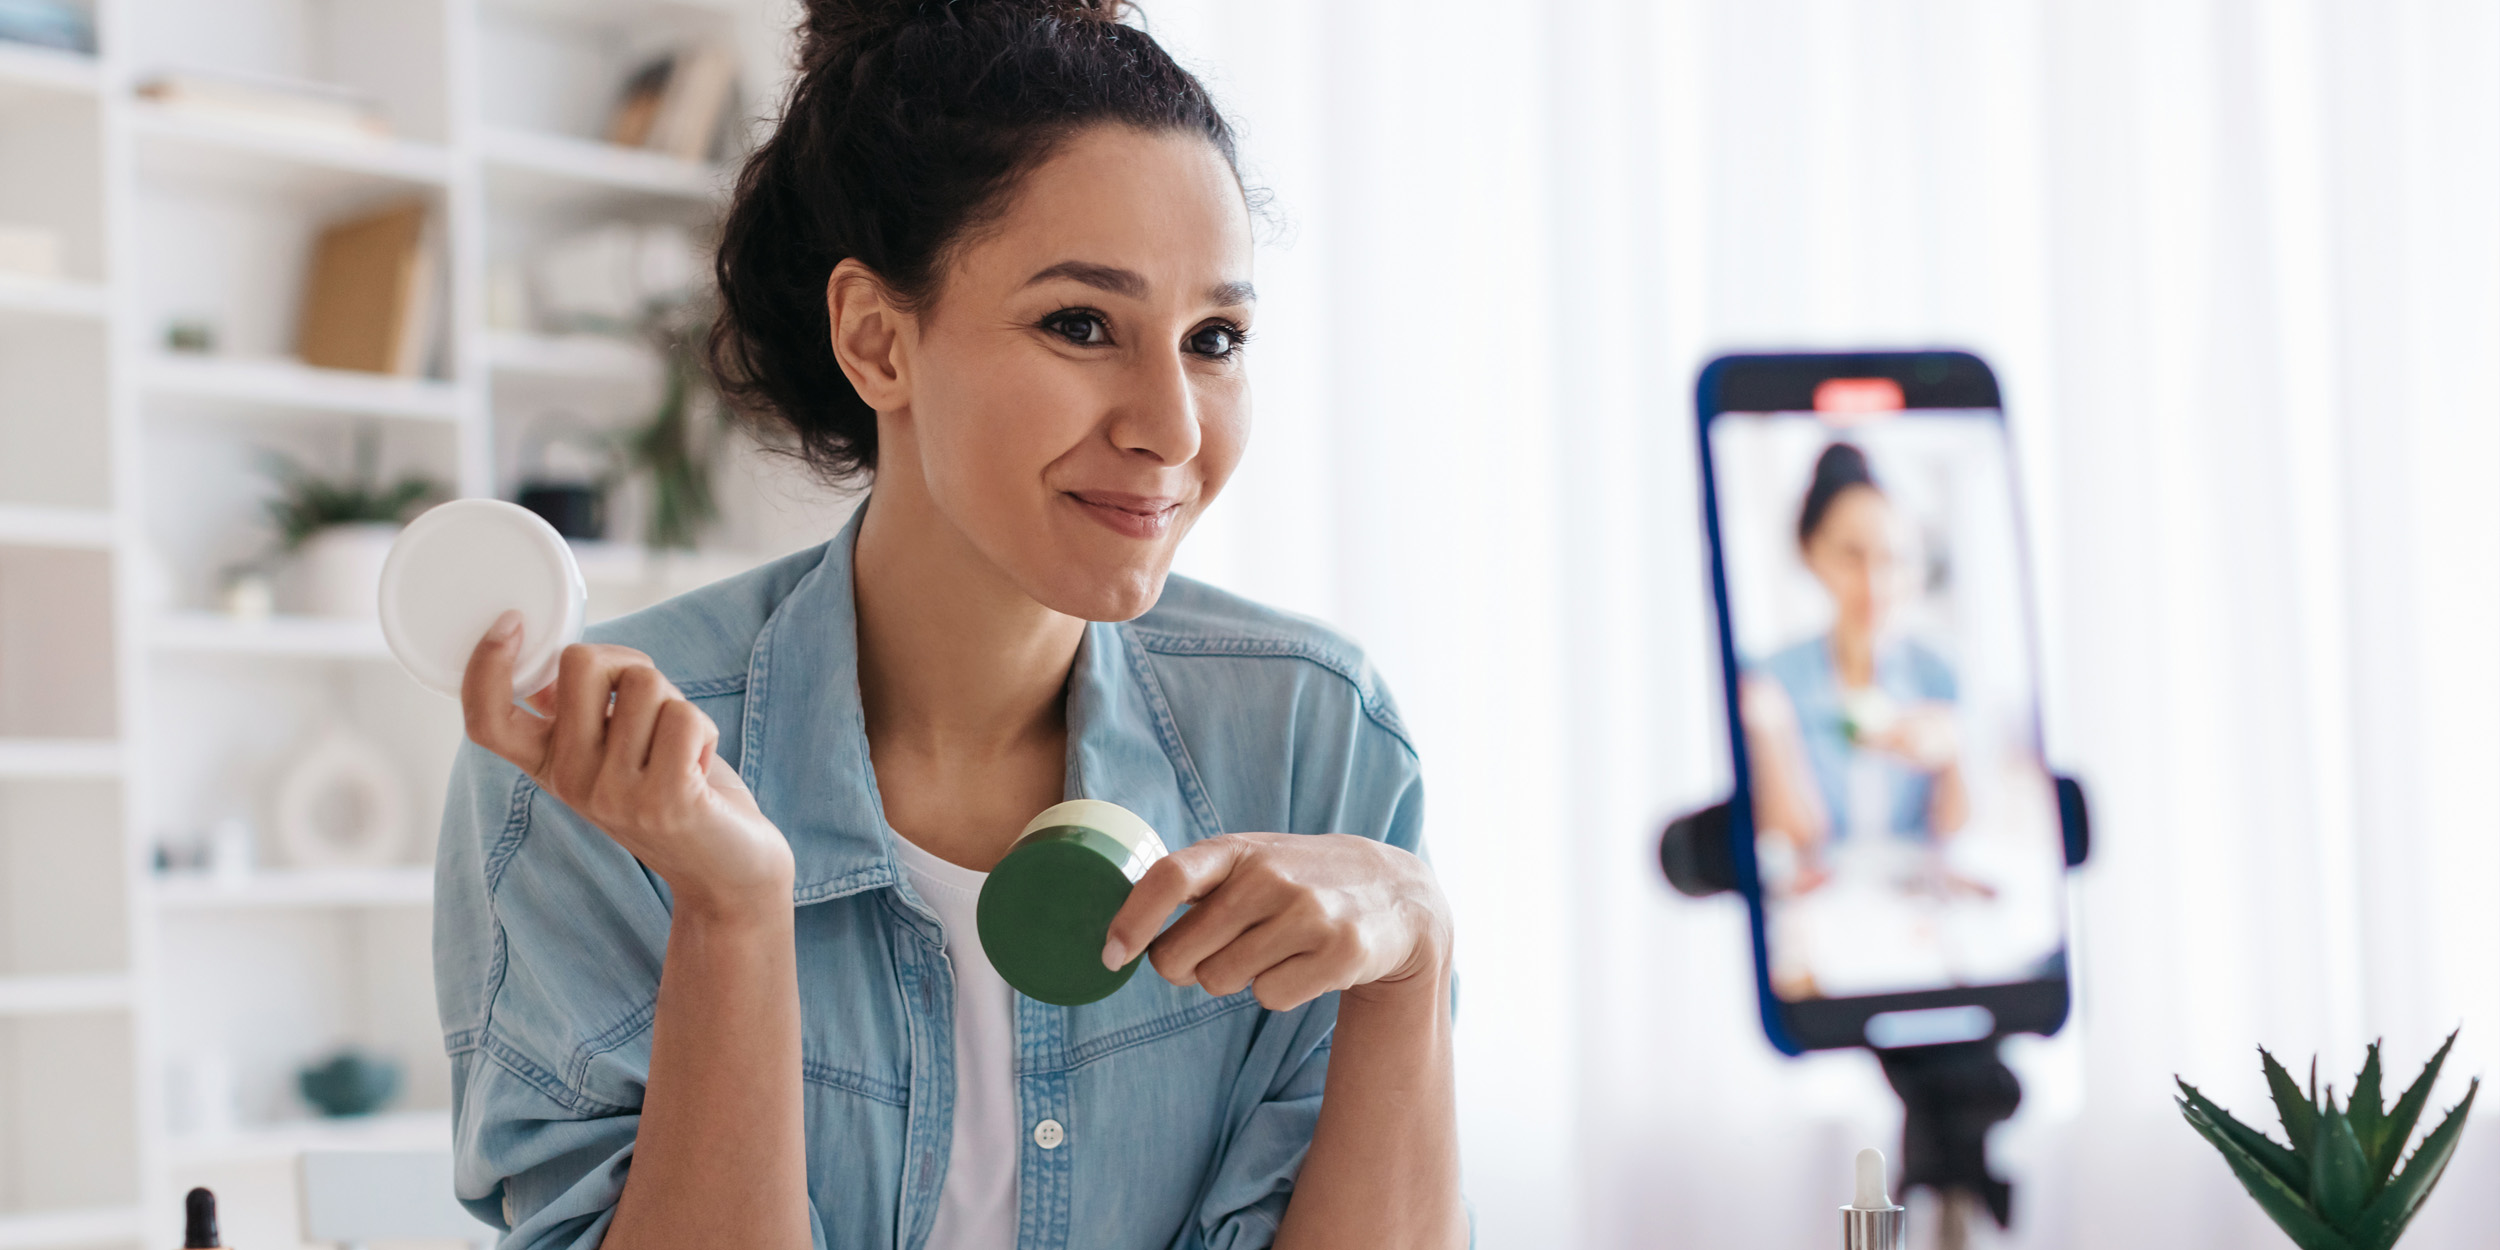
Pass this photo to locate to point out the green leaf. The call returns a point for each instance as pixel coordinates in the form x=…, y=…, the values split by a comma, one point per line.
x=2385, y=1220
x=2276, y=1157
x=2298, y=1111
x=2289, y=1211
x=2369, y=1120
x=2339, y=1174
x=2409, y=1104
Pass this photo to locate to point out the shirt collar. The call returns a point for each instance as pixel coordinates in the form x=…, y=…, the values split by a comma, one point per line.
x=804, y=741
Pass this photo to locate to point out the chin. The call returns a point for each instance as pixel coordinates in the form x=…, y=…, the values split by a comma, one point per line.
x=1107, y=594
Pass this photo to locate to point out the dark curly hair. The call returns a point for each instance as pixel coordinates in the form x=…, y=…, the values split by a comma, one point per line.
x=909, y=123
x=1840, y=467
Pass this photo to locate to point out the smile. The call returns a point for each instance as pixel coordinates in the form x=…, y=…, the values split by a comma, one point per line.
x=1136, y=516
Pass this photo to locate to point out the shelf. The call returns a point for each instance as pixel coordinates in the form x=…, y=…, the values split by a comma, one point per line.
x=396, y=1130
x=24, y=298
x=407, y=886
x=570, y=358
x=59, y=758
x=184, y=146
x=28, y=72
x=292, y=386
x=29, y=526
x=280, y=637
x=559, y=171
x=55, y=995
x=34, y=1230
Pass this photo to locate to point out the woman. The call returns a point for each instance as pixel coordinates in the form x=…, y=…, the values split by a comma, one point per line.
x=700, y=959
x=1853, y=731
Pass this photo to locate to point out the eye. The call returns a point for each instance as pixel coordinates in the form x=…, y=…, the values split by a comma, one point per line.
x=1218, y=340
x=1081, y=326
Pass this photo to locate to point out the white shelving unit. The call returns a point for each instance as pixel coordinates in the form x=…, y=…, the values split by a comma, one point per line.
x=133, y=714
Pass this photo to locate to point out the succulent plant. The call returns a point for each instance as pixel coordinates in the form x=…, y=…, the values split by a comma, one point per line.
x=2337, y=1186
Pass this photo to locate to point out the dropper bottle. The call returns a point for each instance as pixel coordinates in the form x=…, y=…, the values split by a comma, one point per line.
x=199, y=1221
x=1872, y=1222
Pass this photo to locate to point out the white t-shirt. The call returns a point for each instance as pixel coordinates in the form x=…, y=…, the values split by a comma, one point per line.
x=977, y=1208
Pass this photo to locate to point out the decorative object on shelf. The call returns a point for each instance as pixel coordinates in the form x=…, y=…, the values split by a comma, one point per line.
x=507, y=297
x=342, y=567
x=340, y=532
x=48, y=24
x=609, y=278
x=341, y=804
x=191, y=336
x=678, y=445
x=248, y=593
x=231, y=850
x=567, y=469
x=29, y=251
x=2337, y=1186
x=369, y=297
x=351, y=1081
x=315, y=110
x=677, y=104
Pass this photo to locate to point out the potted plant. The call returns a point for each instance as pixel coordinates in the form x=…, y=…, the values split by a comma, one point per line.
x=339, y=532
x=2337, y=1184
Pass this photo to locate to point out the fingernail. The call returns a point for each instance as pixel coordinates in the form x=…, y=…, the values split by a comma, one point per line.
x=505, y=626
x=1115, y=954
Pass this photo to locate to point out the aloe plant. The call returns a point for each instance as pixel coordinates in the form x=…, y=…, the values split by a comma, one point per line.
x=2337, y=1185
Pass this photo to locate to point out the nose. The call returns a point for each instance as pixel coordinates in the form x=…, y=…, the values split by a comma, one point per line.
x=1156, y=413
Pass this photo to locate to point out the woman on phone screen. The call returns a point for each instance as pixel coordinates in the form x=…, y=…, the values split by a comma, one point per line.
x=701, y=941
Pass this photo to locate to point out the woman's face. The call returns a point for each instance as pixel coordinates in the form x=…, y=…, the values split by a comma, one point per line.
x=1074, y=394
x=1853, y=554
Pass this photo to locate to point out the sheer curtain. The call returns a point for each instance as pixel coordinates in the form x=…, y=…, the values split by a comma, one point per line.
x=2238, y=264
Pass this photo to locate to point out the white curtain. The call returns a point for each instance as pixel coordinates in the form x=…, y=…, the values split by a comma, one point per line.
x=2238, y=265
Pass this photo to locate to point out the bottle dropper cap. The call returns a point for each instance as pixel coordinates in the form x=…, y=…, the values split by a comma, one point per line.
x=199, y=1221
x=1871, y=1221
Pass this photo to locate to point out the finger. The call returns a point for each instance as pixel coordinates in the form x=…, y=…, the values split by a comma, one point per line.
x=1184, y=876
x=1295, y=981
x=585, y=680
x=1216, y=922
x=640, y=694
x=486, y=709
x=1248, y=957
x=681, y=741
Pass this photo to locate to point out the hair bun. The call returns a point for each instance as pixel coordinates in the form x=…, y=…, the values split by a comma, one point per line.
x=832, y=26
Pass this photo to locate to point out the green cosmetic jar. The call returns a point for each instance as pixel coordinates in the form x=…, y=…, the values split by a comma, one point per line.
x=1046, y=909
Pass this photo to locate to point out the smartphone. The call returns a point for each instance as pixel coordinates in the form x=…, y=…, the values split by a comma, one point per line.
x=1898, y=837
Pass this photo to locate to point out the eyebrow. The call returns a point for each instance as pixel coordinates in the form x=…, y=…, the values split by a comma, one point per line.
x=1128, y=283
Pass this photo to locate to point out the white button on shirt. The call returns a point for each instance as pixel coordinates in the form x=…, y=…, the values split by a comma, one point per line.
x=977, y=1205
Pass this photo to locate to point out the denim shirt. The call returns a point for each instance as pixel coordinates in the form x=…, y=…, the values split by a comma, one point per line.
x=1183, y=1117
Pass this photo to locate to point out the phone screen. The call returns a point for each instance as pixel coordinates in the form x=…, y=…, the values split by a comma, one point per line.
x=1906, y=831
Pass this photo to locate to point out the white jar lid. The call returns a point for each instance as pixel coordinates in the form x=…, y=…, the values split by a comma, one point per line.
x=462, y=564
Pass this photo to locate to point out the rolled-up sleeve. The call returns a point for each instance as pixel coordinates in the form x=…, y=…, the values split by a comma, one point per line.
x=1381, y=796
x=548, y=943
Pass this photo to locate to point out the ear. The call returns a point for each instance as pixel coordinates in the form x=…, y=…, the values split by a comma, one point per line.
x=869, y=335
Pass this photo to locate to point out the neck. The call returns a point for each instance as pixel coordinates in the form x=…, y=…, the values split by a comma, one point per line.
x=1853, y=656
x=955, y=660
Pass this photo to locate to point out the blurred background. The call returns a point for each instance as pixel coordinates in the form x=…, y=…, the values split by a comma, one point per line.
x=2237, y=263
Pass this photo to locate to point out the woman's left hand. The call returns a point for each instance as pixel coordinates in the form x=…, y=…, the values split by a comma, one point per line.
x=1292, y=916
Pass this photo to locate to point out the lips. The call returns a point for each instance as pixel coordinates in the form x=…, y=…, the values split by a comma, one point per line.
x=1135, y=516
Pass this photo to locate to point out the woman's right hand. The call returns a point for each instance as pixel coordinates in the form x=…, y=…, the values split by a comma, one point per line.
x=644, y=770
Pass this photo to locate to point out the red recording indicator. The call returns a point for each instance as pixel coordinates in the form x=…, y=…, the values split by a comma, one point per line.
x=1857, y=396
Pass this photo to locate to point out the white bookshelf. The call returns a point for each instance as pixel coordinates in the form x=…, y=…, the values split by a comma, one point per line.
x=132, y=712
